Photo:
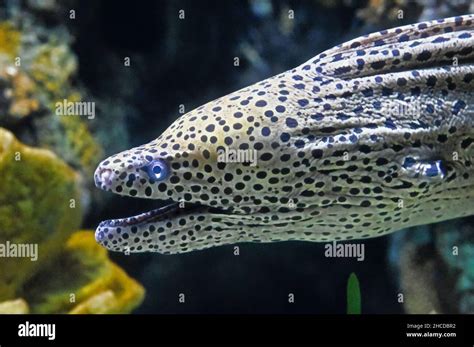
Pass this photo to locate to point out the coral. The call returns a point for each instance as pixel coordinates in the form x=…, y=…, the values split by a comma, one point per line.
x=52, y=66
x=88, y=283
x=10, y=39
x=37, y=191
x=23, y=100
x=19, y=95
x=82, y=143
x=18, y=306
x=71, y=139
x=455, y=244
x=42, y=199
x=17, y=100
x=435, y=265
x=40, y=205
x=417, y=281
x=33, y=86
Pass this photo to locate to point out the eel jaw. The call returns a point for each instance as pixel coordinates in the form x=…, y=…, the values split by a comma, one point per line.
x=109, y=230
x=150, y=216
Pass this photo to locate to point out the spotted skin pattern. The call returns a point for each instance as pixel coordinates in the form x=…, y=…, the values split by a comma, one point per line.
x=366, y=138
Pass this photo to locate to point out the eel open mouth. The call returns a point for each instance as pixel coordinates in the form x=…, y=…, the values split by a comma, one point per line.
x=154, y=215
x=106, y=229
x=162, y=213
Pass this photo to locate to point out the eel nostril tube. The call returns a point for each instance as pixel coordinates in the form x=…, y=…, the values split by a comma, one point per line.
x=106, y=176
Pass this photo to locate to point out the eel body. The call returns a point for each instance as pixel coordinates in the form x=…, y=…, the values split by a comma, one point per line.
x=367, y=138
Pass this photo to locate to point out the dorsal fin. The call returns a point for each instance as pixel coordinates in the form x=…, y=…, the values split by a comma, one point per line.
x=444, y=42
x=406, y=33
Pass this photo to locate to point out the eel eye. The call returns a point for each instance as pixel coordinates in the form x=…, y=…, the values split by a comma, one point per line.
x=157, y=170
x=433, y=169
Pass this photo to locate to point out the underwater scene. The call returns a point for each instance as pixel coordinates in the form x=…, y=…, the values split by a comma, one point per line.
x=237, y=156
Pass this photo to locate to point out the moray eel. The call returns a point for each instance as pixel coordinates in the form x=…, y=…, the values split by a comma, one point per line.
x=369, y=137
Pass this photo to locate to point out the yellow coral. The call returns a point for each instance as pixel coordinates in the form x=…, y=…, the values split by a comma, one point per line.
x=39, y=204
x=43, y=80
x=86, y=282
x=18, y=306
x=53, y=66
x=81, y=142
x=9, y=40
x=24, y=101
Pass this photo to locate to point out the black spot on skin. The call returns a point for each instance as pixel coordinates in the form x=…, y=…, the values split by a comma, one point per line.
x=365, y=149
x=431, y=81
x=291, y=122
x=466, y=143
x=378, y=65
x=442, y=138
x=317, y=153
x=468, y=77
x=280, y=109
x=162, y=187
x=401, y=81
x=423, y=56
